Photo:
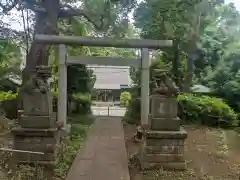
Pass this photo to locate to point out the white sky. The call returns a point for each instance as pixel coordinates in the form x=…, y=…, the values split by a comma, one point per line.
x=16, y=22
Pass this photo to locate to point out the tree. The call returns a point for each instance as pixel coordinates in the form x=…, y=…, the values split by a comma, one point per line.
x=181, y=21
x=125, y=97
x=49, y=12
x=10, y=57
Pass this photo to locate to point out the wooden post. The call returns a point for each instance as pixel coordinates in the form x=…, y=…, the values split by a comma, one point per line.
x=145, y=87
x=62, y=86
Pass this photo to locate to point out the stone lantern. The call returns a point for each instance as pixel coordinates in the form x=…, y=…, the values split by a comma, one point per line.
x=163, y=145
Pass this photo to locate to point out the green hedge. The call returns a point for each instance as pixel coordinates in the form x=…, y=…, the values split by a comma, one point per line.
x=7, y=96
x=206, y=110
x=125, y=98
x=9, y=104
x=83, y=103
x=193, y=109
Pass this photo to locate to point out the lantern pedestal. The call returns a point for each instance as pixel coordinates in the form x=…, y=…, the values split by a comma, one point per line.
x=163, y=145
x=163, y=149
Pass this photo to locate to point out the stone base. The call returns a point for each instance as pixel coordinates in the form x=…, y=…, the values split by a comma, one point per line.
x=64, y=131
x=165, y=124
x=179, y=166
x=42, y=122
x=36, y=140
x=163, y=149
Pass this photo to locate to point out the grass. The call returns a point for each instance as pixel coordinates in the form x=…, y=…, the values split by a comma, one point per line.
x=71, y=145
x=68, y=150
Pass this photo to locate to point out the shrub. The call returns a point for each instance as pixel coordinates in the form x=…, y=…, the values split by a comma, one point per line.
x=7, y=96
x=125, y=97
x=205, y=109
x=83, y=103
x=132, y=115
x=9, y=104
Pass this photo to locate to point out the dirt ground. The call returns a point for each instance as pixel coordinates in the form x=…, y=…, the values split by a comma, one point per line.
x=211, y=154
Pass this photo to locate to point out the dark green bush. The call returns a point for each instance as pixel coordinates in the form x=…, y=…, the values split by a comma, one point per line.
x=83, y=103
x=133, y=115
x=9, y=104
x=193, y=109
x=206, y=110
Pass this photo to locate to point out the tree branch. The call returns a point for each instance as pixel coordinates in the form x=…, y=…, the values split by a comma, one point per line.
x=6, y=8
x=66, y=11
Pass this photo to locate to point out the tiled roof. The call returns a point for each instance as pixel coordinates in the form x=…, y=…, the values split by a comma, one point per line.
x=111, y=77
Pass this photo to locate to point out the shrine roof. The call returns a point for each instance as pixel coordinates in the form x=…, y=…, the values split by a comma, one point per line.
x=111, y=77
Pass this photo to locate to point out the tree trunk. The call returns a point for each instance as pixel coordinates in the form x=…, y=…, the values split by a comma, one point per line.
x=46, y=23
x=192, y=50
x=176, y=63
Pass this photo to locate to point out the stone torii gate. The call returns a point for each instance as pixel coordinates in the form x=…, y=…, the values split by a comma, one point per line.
x=64, y=61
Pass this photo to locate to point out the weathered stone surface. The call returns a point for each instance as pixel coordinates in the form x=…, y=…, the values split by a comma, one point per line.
x=36, y=139
x=164, y=142
x=36, y=121
x=37, y=103
x=41, y=147
x=165, y=149
x=162, y=107
x=35, y=132
x=64, y=131
x=165, y=166
x=35, y=157
x=165, y=124
x=42, y=144
x=163, y=158
x=181, y=134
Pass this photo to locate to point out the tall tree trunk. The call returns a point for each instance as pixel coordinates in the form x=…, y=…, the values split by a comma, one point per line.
x=192, y=50
x=176, y=63
x=46, y=23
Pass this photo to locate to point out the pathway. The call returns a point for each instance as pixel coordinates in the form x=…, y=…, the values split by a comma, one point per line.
x=104, y=155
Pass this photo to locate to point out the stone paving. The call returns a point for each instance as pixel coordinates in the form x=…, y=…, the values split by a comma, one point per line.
x=104, y=155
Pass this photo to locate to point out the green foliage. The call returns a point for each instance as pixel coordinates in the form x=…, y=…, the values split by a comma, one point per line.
x=82, y=98
x=205, y=109
x=69, y=149
x=83, y=103
x=193, y=109
x=125, y=97
x=70, y=146
x=10, y=57
x=207, y=32
x=133, y=115
x=7, y=96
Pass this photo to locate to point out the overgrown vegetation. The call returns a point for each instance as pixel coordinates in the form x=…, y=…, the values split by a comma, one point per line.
x=206, y=110
x=205, y=51
x=67, y=152
x=71, y=145
x=201, y=109
x=7, y=96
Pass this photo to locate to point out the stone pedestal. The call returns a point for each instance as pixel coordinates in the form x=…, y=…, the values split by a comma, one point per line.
x=38, y=130
x=163, y=146
x=163, y=149
x=37, y=108
x=36, y=140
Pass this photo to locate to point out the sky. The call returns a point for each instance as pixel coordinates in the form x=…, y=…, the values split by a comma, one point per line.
x=16, y=22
